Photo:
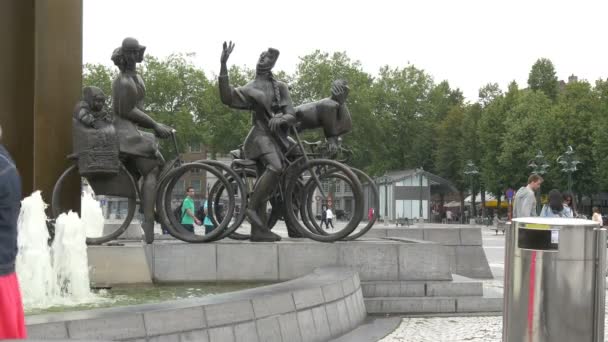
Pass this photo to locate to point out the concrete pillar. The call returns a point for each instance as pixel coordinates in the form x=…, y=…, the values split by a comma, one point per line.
x=41, y=68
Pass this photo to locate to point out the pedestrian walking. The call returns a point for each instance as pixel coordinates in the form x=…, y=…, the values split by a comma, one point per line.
x=525, y=200
x=329, y=216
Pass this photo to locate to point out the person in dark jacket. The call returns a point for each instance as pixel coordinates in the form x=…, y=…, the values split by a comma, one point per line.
x=12, y=321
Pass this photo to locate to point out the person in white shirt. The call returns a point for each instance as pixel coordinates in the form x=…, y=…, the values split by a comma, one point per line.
x=329, y=216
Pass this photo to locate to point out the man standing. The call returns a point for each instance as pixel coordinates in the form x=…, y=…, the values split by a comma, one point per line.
x=12, y=322
x=525, y=200
x=329, y=216
x=188, y=218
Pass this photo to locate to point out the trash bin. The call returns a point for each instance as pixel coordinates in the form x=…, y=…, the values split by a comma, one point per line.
x=554, y=283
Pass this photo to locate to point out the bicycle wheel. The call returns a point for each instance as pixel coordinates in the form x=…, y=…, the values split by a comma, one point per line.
x=219, y=194
x=307, y=203
x=324, y=170
x=103, y=228
x=374, y=202
x=248, y=177
x=172, y=193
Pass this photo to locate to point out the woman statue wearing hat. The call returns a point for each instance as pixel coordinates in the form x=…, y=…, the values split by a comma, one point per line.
x=139, y=148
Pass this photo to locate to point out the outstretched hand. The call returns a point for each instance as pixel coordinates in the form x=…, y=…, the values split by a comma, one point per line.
x=226, y=51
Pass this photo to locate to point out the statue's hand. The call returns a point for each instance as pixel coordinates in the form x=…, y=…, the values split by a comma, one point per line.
x=226, y=51
x=163, y=131
x=339, y=93
x=276, y=123
x=333, y=144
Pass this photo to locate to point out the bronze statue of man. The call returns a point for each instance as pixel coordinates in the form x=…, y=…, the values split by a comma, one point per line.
x=272, y=113
x=140, y=148
x=331, y=114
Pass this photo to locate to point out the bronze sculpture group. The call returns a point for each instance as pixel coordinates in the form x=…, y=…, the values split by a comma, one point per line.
x=109, y=144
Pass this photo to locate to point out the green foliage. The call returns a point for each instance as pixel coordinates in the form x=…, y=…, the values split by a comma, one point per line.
x=542, y=77
x=402, y=119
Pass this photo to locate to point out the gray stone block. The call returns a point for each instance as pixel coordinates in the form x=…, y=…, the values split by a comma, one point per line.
x=221, y=334
x=352, y=310
x=195, y=336
x=360, y=302
x=228, y=313
x=56, y=330
x=320, y=318
x=343, y=316
x=246, y=332
x=185, y=262
x=470, y=236
x=479, y=304
x=348, y=286
x=444, y=236
x=269, y=330
x=407, y=233
x=410, y=305
x=332, y=292
x=393, y=289
x=247, y=262
x=117, y=327
x=373, y=261
x=299, y=259
x=376, y=232
x=164, y=338
x=264, y=306
x=134, y=268
x=454, y=289
x=423, y=262
x=308, y=297
x=333, y=317
x=307, y=325
x=171, y=321
x=471, y=261
x=289, y=328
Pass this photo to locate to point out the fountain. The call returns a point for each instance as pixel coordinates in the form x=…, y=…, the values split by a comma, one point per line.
x=59, y=274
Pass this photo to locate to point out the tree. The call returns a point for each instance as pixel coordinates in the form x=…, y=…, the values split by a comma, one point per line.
x=542, y=77
x=488, y=93
x=100, y=76
x=523, y=122
x=449, y=154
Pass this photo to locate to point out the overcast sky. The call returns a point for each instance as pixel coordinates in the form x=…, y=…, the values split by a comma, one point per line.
x=469, y=43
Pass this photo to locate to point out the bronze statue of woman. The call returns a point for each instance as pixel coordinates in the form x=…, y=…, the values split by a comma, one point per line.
x=140, y=149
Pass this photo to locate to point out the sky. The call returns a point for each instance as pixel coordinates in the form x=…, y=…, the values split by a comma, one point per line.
x=467, y=42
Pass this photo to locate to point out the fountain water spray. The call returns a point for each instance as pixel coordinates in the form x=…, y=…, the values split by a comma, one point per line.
x=58, y=275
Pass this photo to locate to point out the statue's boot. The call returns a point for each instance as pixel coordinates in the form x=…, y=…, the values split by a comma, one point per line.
x=257, y=204
x=148, y=227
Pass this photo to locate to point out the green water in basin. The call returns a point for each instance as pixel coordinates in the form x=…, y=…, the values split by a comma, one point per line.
x=144, y=294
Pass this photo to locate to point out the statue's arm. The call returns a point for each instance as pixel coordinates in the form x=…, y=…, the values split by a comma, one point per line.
x=345, y=121
x=289, y=112
x=230, y=96
x=85, y=117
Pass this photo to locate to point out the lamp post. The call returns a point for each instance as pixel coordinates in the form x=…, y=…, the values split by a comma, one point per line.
x=539, y=167
x=569, y=162
x=385, y=180
x=419, y=174
x=471, y=171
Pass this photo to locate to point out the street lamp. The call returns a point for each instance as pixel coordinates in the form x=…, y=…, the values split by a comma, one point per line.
x=471, y=171
x=419, y=173
x=385, y=180
x=539, y=167
x=569, y=162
